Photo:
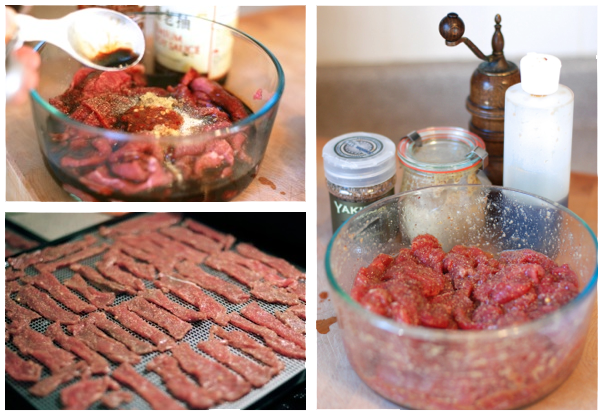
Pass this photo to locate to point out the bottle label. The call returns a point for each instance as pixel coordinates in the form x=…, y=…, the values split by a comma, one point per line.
x=358, y=147
x=341, y=210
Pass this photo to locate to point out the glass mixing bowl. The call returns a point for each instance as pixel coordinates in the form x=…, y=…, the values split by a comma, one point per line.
x=426, y=368
x=254, y=76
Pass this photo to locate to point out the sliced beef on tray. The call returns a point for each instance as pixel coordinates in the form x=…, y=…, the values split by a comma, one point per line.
x=17, y=314
x=222, y=384
x=224, y=239
x=291, y=320
x=163, y=318
x=59, y=292
x=265, y=272
x=157, y=399
x=140, y=224
x=83, y=394
x=298, y=289
x=11, y=274
x=194, y=274
x=257, y=375
x=176, y=249
x=259, y=316
x=17, y=241
x=178, y=384
x=100, y=299
x=157, y=297
x=244, y=275
x=66, y=374
x=99, y=281
x=34, y=344
x=41, y=303
x=110, y=270
x=298, y=310
x=11, y=287
x=133, y=322
x=197, y=241
x=98, y=341
x=97, y=363
x=139, y=269
x=113, y=400
x=145, y=250
x=51, y=253
x=250, y=346
x=114, y=330
x=195, y=296
x=20, y=369
x=72, y=259
x=266, y=291
x=279, y=264
x=275, y=342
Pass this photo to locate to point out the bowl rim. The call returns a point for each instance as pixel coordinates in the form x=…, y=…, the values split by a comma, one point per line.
x=122, y=135
x=433, y=334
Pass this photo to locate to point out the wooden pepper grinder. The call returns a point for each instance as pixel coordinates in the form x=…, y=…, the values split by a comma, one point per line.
x=488, y=86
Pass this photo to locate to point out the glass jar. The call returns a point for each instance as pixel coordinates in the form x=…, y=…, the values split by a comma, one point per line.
x=441, y=155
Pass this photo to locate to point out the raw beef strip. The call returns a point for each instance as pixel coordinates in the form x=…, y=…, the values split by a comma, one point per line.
x=133, y=322
x=49, y=384
x=238, y=272
x=277, y=343
x=200, y=242
x=96, y=340
x=113, y=272
x=195, y=296
x=98, y=298
x=224, y=239
x=252, y=347
x=265, y=291
x=141, y=224
x=51, y=253
x=17, y=314
x=194, y=274
x=113, y=400
x=44, y=305
x=20, y=369
x=298, y=289
x=282, y=266
x=157, y=399
x=114, y=330
x=59, y=292
x=267, y=273
x=178, y=384
x=139, y=269
x=11, y=287
x=163, y=318
x=72, y=259
x=30, y=342
x=83, y=394
x=98, y=280
x=148, y=252
x=11, y=274
x=291, y=320
x=255, y=374
x=176, y=249
x=222, y=384
x=298, y=310
x=157, y=297
x=17, y=241
x=97, y=363
x=259, y=316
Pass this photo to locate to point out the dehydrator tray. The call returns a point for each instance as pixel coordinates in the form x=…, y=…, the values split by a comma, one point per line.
x=291, y=375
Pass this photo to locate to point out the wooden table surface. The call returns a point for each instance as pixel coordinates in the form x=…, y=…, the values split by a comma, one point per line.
x=281, y=176
x=340, y=387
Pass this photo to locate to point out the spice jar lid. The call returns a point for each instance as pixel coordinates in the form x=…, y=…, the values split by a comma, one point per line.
x=441, y=150
x=359, y=159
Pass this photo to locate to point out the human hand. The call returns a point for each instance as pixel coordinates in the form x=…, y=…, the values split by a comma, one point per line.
x=28, y=60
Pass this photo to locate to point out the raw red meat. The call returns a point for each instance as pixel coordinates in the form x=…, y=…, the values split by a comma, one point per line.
x=114, y=330
x=139, y=269
x=148, y=311
x=224, y=239
x=298, y=288
x=66, y=374
x=45, y=306
x=113, y=400
x=265, y=291
x=12, y=287
x=142, y=223
x=157, y=399
x=195, y=274
x=99, y=299
x=179, y=384
x=20, y=369
x=72, y=259
x=220, y=96
x=265, y=272
x=83, y=394
x=98, y=280
x=176, y=249
x=259, y=316
x=11, y=274
x=291, y=320
x=197, y=241
x=31, y=343
x=110, y=270
x=59, y=292
x=17, y=314
x=157, y=297
x=298, y=310
x=17, y=241
x=238, y=272
x=282, y=266
x=51, y=253
x=96, y=340
x=141, y=248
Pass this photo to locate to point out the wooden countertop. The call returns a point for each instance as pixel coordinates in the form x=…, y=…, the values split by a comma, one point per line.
x=339, y=386
x=281, y=176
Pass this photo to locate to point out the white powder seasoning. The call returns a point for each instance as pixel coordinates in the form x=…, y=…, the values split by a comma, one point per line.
x=190, y=125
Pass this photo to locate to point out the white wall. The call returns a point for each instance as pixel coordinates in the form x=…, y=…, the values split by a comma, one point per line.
x=369, y=35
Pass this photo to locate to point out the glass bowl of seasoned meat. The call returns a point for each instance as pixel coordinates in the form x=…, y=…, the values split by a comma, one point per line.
x=190, y=123
x=463, y=297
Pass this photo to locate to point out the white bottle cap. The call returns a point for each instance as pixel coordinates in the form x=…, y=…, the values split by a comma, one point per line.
x=539, y=73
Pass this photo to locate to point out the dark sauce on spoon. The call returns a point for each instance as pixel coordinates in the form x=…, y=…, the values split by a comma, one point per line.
x=117, y=58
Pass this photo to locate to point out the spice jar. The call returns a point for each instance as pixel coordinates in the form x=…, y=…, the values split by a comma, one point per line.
x=441, y=155
x=359, y=169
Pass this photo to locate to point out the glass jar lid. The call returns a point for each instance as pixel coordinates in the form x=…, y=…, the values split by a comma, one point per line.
x=441, y=150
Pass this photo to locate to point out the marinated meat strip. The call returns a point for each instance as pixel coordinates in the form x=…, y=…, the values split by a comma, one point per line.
x=194, y=274
x=141, y=224
x=259, y=316
x=114, y=330
x=45, y=306
x=238, y=272
x=17, y=314
x=113, y=400
x=157, y=399
x=222, y=384
x=291, y=320
x=96, y=340
x=252, y=347
x=72, y=259
x=265, y=272
x=98, y=280
x=176, y=249
x=83, y=394
x=157, y=297
x=17, y=241
x=113, y=272
x=59, y=292
x=163, y=318
x=264, y=290
x=145, y=250
x=11, y=287
x=298, y=289
x=277, y=343
x=133, y=322
x=49, y=384
x=178, y=384
x=224, y=239
x=99, y=299
x=279, y=264
x=195, y=296
x=197, y=241
x=20, y=369
x=298, y=310
x=11, y=274
x=51, y=253
x=31, y=343
x=255, y=374
x=139, y=269
x=97, y=363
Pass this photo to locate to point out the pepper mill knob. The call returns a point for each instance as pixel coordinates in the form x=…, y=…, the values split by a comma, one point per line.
x=451, y=27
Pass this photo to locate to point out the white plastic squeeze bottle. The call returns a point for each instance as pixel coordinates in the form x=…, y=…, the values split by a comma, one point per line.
x=538, y=130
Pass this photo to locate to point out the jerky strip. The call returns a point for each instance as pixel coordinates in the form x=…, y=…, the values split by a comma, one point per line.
x=141, y=224
x=224, y=239
x=200, y=242
x=298, y=310
x=148, y=311
x=11, y=274
x=238, y=272
x=72, y=259
x=96, y=340
x=114, y=330
x=51, y=253
x=291, y=320
x=279, y=264
x=17, y=314
x=157, y=297
x=266, y=291
x=31, y=343
x=49, y=384
x=20, y=369
x=139, y=269
x=176, y=249
x=98, y=298
x=113, y=272
x=194, y=274
x=259, y=316
x=59, y=292
x=95, y=278
x=83, y=394
x=113, y=400
x=11, y=287
x=44, y=305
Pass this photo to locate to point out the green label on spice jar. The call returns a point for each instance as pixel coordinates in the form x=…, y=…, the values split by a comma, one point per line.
x=341, y=210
